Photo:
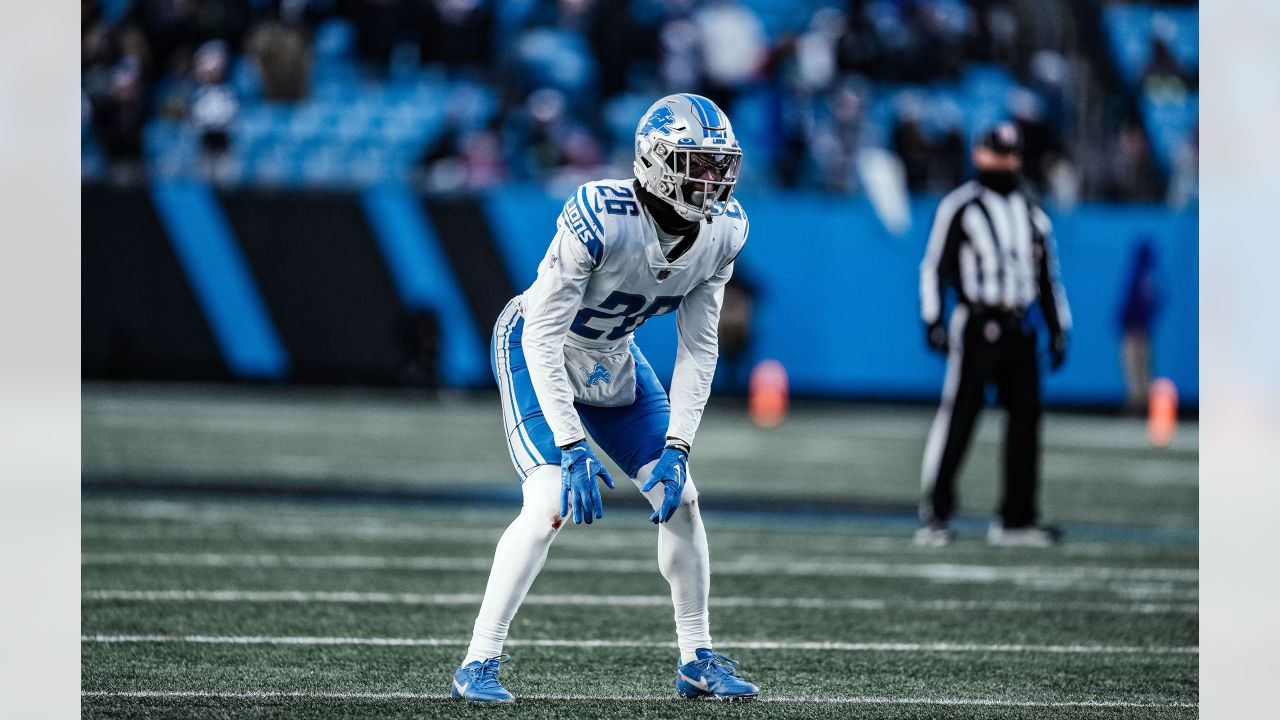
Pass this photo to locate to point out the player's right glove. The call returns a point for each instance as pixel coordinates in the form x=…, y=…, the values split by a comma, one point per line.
x=935, y=334
x=579, y=468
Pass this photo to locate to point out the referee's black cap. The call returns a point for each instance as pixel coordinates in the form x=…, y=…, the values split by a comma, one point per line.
x=1003, y=138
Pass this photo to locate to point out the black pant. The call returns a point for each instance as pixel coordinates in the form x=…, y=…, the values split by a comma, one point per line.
x=986, y=346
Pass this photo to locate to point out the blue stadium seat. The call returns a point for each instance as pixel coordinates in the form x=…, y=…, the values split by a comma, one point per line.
x=333, y=41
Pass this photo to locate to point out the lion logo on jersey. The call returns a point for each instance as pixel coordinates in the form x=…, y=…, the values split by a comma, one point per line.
x=660, y=121
x=599, y=375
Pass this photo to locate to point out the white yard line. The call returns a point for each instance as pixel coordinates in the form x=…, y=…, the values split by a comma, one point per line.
x=472, y=599
x=640, y=645
x=247, y=531
x=740, y=565
x=405, y=695
x=239, y=528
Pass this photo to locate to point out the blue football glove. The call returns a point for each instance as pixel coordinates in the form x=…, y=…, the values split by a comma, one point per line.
x=672, y=471
x=578, y=470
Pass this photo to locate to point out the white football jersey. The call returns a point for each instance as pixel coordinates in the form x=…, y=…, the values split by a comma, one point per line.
x=605, y=275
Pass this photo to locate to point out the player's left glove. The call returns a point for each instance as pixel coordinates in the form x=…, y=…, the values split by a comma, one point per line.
x=579, y=468
x=1057, y=350
x=672, y=471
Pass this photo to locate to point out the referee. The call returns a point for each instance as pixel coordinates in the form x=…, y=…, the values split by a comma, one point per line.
x=993, y=244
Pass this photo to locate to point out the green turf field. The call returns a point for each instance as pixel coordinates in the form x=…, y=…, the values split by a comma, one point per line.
x=349, y=586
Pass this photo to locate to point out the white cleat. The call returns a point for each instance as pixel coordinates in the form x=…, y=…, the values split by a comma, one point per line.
x=934, y=535
x=1031, y=536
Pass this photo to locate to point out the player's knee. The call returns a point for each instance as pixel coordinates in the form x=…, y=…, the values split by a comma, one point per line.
x=542, y=498
x=689, y=498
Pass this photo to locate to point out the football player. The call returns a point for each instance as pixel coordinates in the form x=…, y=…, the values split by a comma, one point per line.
x=567, y=366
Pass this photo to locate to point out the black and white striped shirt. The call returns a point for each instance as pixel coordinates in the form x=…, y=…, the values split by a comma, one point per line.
x=997, y=250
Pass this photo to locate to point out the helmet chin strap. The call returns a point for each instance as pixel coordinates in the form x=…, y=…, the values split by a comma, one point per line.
x=700, y=199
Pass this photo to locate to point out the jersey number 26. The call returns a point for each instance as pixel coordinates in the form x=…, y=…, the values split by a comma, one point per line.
x=619, y=314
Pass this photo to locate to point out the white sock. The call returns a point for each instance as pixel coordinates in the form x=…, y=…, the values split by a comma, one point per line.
x=685, y=562
x=520, y=555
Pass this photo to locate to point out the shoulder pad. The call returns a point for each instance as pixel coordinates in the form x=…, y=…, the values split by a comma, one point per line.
x=741, y=228
x=596, y=206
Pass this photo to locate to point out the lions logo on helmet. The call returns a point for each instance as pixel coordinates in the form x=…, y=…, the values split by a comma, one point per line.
x=687, y=154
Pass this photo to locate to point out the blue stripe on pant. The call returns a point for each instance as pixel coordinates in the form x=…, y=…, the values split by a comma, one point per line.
x=632, y=435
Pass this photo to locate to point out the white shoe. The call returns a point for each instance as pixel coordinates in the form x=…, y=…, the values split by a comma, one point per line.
x=934, y=535
x=1032, y=536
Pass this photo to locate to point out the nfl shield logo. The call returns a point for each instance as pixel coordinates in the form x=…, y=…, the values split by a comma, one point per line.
x=663, y=274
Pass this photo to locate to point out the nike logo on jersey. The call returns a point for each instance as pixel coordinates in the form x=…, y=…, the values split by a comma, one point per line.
x=462, y=689
x=700, y=684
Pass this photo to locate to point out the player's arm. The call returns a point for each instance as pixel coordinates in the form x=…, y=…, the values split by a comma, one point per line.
x=550, y=305
x=941, y=259
x=1053, y=296
x=697, y=349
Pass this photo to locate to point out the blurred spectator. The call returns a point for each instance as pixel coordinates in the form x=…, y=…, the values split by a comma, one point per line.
x=815, y=51
x=680, y=64
x=733, y=47
x=943, y=32
x=552, y=146
x=1164, y=73
x=914, y=149
x=1137, y=317
x=836, y=137
x=1125, y=167
x=119, y=116
x=995, y=32
x=1184, y=185
x=172, y=26
x=809, y=98
x=378, y=24
x=929, y=164
x=1045, y=163
x=456, y=33
x=622, y=42
x=949, y=159
x=213, y=106
x=280, y=47
x=859, y=49
x=463, y=159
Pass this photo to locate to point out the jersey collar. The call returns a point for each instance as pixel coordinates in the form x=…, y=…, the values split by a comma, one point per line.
x=658, y=261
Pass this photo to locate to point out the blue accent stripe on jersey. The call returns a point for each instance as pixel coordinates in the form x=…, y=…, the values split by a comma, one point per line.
x=586, y=205
x=594, y=245
x=221, y=279
x=418, y=266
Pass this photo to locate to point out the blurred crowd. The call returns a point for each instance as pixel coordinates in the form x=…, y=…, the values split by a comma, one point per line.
x=568, y=74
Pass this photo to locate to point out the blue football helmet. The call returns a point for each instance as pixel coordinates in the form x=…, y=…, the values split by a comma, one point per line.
x=687, y=154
